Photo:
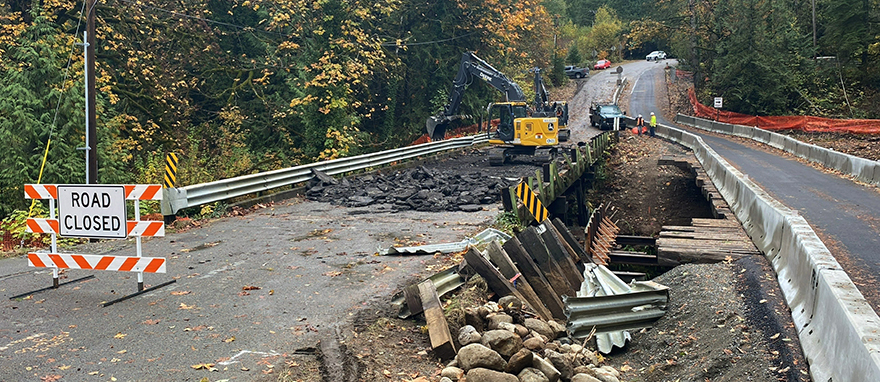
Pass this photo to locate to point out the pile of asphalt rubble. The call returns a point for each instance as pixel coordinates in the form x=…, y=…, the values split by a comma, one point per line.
x=499, y=343
x=417, y=188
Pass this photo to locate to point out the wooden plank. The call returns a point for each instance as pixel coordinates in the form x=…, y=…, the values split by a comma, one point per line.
x=705, y=222
x=627, y=257
x=532, y=273
x=561, y=256
x=636, y=240
x=509, y=271
x=572, y=242
x=669, y=242
x=438, y=330
x=413, y=299
x=676, y=257
x=535, y=247
x=494, y=279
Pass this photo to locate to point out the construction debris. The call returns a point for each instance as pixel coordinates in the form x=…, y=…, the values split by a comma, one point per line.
x=488, y=235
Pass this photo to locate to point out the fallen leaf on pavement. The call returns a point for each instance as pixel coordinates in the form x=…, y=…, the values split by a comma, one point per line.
x=250, y=287
x=181, y=292
x=120, y=336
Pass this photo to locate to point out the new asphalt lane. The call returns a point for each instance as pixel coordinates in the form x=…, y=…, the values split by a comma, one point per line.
x=844, y=213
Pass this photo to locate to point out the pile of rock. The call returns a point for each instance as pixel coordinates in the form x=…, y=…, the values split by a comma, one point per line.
x=499, y=344
x=418, y=188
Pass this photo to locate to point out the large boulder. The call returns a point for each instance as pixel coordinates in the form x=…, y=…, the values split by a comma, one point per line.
x=453, y=373
x=546, y=367
x=468, y=335
x=534, y=344
x=502, y=341
x=511, y=303
x=561, y=362
x=584, y=378
x=532, y=375
x=477, y=355
x=519, y=361
x=497, y=318
x=486, y=375
x=541, y=327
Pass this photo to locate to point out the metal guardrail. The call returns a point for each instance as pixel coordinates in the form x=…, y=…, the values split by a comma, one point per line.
x=175, y=199
x=611, y=307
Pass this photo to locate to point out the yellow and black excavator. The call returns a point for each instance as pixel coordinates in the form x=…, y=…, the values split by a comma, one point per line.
x=522, y=130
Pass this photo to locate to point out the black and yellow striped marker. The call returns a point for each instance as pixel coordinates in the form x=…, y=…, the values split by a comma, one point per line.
x=170, y=170
x=531, y=201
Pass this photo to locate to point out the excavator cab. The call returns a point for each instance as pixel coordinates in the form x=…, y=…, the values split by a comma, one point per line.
x=517, y=125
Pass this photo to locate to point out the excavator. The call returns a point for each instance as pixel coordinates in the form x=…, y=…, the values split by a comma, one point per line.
x=522, y=129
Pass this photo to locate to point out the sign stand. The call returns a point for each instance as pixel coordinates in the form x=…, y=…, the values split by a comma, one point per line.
x=95, y=211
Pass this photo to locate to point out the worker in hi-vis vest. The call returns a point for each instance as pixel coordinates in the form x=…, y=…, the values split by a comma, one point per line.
x=653, y=123
x=640, y=125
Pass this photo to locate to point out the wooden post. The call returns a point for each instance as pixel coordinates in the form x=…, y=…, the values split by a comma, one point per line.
x=438, y=330
x=534, y=245
x=494, y=279
x=533, y=274
x=572, y=242
x=509, y=270
x=567, y=256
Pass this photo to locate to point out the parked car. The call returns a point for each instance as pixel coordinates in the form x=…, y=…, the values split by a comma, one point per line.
x=602, y=64
x=602, y=115
x=656, y=55
x=573, y=71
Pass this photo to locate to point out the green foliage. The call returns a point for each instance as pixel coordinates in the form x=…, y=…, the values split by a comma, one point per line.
x=16, y=224
x=574, y=56
x=508, y=222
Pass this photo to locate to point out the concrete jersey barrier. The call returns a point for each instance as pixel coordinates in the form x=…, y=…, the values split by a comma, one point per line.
x=838, y=330
x=865, y=170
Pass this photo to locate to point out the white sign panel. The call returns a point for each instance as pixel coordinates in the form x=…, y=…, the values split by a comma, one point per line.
x=92, y=211
x=718, y=102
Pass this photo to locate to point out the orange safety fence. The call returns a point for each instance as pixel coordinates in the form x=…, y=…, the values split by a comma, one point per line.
x=459, y=132
x=804, y=123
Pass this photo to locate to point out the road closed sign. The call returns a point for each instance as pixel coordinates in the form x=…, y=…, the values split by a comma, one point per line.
x=92, y=211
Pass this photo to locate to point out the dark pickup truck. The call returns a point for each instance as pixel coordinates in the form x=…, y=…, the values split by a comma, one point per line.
x=575, y=72
x=602, y=116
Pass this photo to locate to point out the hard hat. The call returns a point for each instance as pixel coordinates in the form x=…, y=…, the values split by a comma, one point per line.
x=640, y=116
x=652, y=113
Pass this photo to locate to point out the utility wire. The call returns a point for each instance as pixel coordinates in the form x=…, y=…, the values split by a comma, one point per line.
x=58, y=105
x=400, y=43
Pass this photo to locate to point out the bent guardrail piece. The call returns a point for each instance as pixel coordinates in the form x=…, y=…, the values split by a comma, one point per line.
x=838, y=330
x=486, y=236
x=612, y=307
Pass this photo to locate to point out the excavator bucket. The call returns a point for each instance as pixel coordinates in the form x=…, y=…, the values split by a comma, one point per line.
x=436, y=127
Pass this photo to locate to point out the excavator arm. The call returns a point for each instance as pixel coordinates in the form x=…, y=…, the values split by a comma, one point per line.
x=471, y=66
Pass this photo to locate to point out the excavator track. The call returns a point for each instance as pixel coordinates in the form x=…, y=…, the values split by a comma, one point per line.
x=497, y=156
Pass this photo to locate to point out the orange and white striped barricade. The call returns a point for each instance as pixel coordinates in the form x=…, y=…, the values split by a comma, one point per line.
x=95, y=211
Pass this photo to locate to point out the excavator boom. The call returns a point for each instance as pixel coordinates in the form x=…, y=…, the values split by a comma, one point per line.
x=471, y=66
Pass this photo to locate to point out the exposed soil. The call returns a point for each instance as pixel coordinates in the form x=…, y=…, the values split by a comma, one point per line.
x=647, y=196
x=724, y=322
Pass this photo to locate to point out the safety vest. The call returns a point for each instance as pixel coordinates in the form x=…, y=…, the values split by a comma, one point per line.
x=640, y=121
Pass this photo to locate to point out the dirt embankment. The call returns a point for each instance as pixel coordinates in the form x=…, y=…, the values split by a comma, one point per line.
x=724, y=322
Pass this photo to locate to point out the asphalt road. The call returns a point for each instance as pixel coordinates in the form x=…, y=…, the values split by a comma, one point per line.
x=844, y=213
x=248, y=290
